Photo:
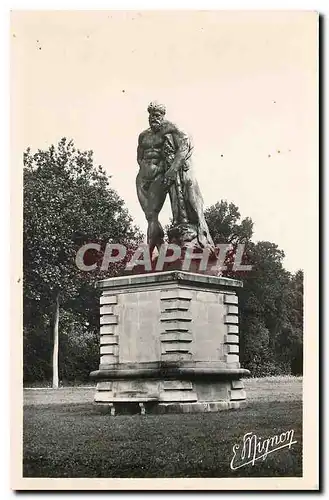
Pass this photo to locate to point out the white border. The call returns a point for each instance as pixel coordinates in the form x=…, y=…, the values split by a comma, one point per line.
x=320, y=6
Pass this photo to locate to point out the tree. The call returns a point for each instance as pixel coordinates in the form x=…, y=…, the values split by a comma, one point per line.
x=289, y=341
x=225, y=225
x=263, y=299
x=271, y=301
x=67, y=202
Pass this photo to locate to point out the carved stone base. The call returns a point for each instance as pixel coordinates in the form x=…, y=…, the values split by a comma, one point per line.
x=126, y=407
x=169, y=342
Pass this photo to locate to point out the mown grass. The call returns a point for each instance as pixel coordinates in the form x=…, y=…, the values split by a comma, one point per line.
x=282, y=388
x=77, y=440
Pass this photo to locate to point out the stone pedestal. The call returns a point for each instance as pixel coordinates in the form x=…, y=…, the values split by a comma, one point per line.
x=169, y=342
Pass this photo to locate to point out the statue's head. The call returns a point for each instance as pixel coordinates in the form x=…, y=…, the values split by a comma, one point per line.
x=157, y=112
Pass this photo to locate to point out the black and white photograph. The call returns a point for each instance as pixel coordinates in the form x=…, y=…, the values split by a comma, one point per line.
x=166, y=172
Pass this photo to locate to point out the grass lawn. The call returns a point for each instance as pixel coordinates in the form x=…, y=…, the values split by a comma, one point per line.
x=70, y=439
x=283, y=388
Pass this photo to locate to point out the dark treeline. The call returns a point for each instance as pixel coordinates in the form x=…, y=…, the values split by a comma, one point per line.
x=270, y=302
x=68, y=201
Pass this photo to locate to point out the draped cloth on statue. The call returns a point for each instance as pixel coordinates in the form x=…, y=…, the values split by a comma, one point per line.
x=189, y=226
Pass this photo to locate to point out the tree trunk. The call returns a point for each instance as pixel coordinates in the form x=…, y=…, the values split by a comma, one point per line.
x=56, y=343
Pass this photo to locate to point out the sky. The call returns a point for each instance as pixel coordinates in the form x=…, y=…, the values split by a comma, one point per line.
x=242, y=84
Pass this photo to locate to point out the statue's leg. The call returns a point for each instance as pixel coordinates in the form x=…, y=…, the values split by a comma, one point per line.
x=142, y=188
x=152, y=196
x=156, y=199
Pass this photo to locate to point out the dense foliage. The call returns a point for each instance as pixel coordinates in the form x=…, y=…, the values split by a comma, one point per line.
x=68, y=202
x=271, y=301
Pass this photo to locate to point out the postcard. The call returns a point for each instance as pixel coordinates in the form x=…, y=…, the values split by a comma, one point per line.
x=165, y=170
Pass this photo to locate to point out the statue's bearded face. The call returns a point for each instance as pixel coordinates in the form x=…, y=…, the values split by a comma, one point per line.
x=155, y=120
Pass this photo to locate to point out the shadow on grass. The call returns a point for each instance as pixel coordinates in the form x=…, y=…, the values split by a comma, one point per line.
x=79, y=440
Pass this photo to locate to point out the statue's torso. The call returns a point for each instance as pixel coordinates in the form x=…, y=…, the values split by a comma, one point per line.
x=151, y=143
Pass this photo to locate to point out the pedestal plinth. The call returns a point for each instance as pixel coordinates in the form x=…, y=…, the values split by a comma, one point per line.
x=169, y=341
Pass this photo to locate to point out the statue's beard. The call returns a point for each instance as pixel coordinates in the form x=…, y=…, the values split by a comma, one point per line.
x=155, y=126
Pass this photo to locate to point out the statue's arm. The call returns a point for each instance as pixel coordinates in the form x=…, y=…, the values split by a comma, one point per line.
x=140, y=149
x=182, y=143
